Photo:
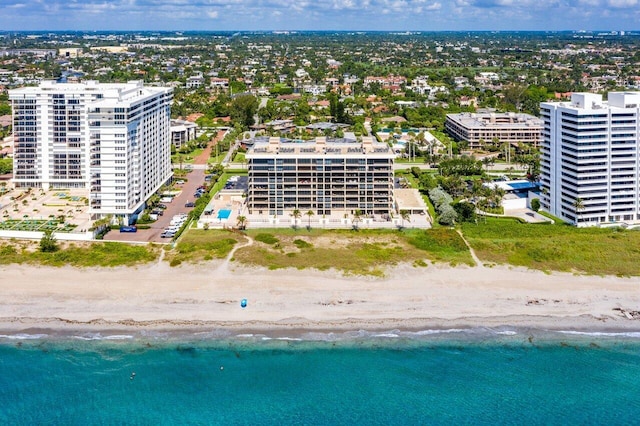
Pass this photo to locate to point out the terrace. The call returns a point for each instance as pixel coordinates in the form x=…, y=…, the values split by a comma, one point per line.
x=36, y=210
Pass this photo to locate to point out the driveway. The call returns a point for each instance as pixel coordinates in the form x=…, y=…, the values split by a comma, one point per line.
x=195, y=179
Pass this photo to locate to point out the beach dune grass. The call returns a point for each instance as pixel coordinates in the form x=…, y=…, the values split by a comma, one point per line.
x=103, y=254
x=443, y=245
x=599, y=251
x=199, y=245
x=364, y=252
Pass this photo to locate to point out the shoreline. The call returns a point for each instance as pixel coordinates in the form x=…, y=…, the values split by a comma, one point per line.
x=205, y=298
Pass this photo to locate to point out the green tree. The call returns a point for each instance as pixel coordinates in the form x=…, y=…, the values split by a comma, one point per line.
x=6, y=165
x=241, y=222
x=463, y=166
x=243, y=109
x=295, y=214
x=466, y=211
x=309, y=214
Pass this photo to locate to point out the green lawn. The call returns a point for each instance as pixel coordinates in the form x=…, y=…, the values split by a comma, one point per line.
x=556, y=247
x=186, y=158
x=216, y=159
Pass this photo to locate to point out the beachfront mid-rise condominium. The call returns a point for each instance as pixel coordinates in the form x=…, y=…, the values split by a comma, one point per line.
x=111, y=139
x=322, y=176
x=590, y=169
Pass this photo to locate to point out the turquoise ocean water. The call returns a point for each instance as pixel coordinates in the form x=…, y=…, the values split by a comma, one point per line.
x=479, y=376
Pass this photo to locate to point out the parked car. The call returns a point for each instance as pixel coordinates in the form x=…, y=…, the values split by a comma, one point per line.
x=128, y=229
x=159, y=212
x=190, y=204
x=162, y=206
x=167, y=234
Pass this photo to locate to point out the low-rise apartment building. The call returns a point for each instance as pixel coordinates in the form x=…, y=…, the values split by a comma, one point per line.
x=479, y=128
x=182, y=131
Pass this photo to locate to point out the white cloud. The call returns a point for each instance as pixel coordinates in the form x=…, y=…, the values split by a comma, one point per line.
x=623, y=4
x=319, y=14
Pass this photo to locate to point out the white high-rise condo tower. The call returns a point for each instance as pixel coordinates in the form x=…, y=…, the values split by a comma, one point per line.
x=111, y=139
x=590, y=158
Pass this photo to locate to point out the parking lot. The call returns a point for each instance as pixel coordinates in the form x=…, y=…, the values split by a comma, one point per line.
x=194, y=179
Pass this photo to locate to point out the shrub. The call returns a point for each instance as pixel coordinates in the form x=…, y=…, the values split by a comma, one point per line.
x=48, y=242
x=302, y=244
x=442, y=202
x=535, y=204
x=447, y=215
x=266, y=238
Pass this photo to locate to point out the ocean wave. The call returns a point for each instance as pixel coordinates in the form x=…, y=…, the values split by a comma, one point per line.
x=440, y=331
x=632, y=334
x=99, y=336
x=22, y=336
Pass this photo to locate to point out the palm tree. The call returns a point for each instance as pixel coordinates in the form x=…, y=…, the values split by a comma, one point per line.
x=357, y=215
x=405, y=215
x=296, y=215
x=578, y=206
x=309, y=214
x=241, y=222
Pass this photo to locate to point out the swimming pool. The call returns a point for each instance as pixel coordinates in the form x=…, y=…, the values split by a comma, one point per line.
x=224, y=214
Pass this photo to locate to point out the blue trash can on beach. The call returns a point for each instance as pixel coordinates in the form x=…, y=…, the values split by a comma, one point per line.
x=243, y=303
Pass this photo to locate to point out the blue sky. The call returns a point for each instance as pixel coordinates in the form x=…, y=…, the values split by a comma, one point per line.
x=320, y=15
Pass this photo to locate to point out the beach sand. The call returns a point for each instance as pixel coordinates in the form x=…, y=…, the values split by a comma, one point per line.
x=207, y=296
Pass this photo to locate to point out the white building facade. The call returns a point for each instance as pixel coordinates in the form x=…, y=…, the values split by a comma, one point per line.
x=589, y=153
x=111, y=139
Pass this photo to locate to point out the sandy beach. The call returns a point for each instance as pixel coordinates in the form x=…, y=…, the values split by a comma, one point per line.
x=207, y=296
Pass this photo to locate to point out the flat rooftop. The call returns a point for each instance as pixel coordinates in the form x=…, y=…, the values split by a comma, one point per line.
x=321, y=145
x=496, y=120
x=409, y=199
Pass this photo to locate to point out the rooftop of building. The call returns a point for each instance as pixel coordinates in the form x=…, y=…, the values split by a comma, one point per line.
x=319, y=145
x=182, y=124
x=131, y=90
x=496, y=120
x=592, y=101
